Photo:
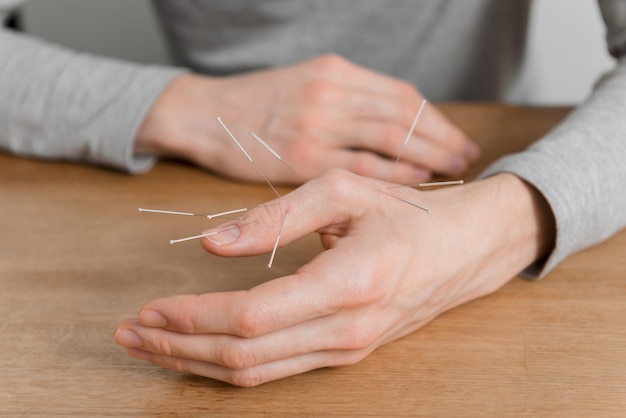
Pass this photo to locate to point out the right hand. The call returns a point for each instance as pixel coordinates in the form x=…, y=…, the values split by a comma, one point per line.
x=387, y=269
x=319, y=114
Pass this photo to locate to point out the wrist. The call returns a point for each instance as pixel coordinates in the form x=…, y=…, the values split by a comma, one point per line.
x=524, y=227
x=171, y=126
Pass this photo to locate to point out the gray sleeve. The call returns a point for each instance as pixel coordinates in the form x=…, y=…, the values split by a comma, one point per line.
x=580, y=166
x=65, y=105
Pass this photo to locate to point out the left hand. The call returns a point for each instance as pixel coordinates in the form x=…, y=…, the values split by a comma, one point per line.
x=387, y=270
x=322, y=113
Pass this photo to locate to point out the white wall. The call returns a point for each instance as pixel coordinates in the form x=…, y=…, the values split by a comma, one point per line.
x=567, y=49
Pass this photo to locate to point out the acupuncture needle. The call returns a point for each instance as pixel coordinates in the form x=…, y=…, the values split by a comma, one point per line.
x=406, y=201
x=275, y=154
x=408, y=137
x=209, y=216
x=174, y=241
x=269, y=264
x=430, y=184
x=241, y=148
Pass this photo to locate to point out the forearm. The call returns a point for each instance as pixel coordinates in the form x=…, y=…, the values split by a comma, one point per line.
x=579, y=169
x=60, y=104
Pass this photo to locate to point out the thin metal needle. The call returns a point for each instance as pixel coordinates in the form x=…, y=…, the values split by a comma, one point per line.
x=408, y=137
x=210, y=216
x=441, y=183
x=169, y=212
x=275, y=154
x=430, y=184
x=247, y=155
x=174, y=241
x=269, y=265
x=406, y=201
x=228, y=212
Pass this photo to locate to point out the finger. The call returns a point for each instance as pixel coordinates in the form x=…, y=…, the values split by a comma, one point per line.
x=434, y=157
x=387, y=134
x=320, y=288
x=372, y=165
x=273, y=305
x=256, y=375
x=388, y=140
x=378, y=120
x=307, y=209
x=348, y=330
x=434, y=126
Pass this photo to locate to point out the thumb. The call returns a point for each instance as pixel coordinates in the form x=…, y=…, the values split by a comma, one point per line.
x=331, y=199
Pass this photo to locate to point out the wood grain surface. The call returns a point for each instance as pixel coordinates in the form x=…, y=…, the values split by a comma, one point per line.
x=76, y=258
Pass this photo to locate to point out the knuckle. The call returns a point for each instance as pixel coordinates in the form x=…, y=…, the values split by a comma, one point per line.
x=339, y=181
x=187, y=319
x=364, y=164
x=353, y=357
x=178, y=364
x=330, y=63
x=321, y=91
x=249, y=322
x=165, y=346
x=238, y=357
x=246, y=377
x=359, y=337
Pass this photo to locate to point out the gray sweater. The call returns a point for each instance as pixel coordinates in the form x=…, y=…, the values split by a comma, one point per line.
x=62, y=104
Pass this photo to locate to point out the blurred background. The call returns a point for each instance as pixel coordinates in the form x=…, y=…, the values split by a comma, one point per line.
x=567, y=50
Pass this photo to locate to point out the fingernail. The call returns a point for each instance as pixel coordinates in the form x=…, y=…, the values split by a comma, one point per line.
x=151, y=318
x=127, y=338
x=222, y=237
x=472, y=151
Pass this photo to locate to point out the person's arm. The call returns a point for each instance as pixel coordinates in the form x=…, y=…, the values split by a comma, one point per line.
x=65, y=105
x=324, y=113
x=579, y=166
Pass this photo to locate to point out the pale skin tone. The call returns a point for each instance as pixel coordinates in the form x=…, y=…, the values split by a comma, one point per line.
x=320, y=114
x=357, y=294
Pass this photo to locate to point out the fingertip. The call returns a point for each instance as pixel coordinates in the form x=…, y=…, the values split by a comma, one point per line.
x=222, y=236
x=127, y=338
x=152, y=318
x=471, y=150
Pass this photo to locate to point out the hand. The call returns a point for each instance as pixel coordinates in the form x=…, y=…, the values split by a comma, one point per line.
x=320, y=114
x=387, y=270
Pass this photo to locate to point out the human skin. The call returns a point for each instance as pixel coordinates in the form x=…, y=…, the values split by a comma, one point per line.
x=320, y=114
x=357, y=294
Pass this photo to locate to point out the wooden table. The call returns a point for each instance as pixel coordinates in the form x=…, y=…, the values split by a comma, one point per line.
x=76, y=258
